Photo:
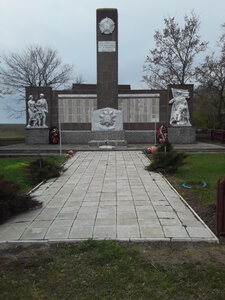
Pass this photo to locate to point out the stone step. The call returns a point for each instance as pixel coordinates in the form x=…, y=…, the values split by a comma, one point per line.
x=47, y=150
x=97, y=143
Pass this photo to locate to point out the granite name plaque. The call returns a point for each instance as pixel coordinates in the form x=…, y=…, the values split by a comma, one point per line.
x=106, y=46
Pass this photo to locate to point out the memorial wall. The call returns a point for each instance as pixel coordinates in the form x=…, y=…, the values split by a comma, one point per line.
x=136, y=108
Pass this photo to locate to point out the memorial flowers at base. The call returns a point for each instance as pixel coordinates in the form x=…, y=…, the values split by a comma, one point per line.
x=162, y=134
x=162, y=137
x=53, y=135
x=70, y=153
x=150, y=150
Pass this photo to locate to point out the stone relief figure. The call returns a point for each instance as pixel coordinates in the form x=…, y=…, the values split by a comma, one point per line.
x=42, y=107
x=37, y=112
x=179, y=111
x=32, y=120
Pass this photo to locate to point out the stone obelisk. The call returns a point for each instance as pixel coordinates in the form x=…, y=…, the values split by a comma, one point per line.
x=107, y=58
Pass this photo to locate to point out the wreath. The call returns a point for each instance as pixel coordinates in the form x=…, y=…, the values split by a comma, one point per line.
x=162, y=134
x=54, y=135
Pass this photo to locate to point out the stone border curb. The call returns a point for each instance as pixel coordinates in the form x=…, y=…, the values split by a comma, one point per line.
x=192, y=210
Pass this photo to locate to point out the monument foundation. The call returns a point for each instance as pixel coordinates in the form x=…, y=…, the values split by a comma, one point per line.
x=182, y=135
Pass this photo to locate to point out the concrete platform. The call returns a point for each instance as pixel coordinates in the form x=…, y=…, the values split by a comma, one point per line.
x=46, y=150
x=107, y=195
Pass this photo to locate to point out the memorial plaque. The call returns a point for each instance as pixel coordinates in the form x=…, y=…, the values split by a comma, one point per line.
x=139, y=108
x=76, y=108
x=104, y=46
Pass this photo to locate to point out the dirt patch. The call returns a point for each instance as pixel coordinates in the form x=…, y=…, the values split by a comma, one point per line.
x=181, y=253
x=160, y=253
x=207, y=212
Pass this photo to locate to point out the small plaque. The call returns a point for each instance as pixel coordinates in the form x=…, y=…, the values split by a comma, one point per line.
x=104, y=46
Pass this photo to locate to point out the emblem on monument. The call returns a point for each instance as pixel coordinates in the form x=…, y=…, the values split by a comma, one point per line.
x=106, y=26
x=107, y=118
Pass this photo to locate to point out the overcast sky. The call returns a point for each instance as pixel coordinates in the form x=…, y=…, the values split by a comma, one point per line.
x=69, y=26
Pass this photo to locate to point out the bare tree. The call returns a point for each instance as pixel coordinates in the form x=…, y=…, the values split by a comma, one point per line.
x=211, y=76
x=80, y=79
x=222, y=40
x=4, y=90
x=171, y=61
x=34, y=67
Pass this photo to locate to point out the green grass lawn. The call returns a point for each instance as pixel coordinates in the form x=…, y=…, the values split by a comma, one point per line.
x=203, y=167
x=12, y=169
x=109, y=270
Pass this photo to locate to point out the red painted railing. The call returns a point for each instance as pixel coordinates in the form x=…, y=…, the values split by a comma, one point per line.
x=218, y=135
x=220, y=208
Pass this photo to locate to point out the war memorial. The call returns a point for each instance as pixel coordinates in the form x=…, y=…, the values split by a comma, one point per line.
x=94, y=114
x=107, y=195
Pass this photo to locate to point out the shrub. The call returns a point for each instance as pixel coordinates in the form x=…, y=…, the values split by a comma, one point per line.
x=13, y=200
x=166, y=162
x=161, y=147
x=42, y=169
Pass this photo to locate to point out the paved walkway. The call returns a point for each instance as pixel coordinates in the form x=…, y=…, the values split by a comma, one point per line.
x=107, y=195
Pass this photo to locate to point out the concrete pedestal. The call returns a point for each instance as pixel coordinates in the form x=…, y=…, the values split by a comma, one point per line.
x=35, y=136
x=114, y=138
x=182, y=135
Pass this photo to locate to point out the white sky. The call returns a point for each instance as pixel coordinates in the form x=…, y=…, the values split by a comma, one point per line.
x=69, y=26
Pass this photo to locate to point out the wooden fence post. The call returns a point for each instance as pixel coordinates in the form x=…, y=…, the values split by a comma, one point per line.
x=220, y=208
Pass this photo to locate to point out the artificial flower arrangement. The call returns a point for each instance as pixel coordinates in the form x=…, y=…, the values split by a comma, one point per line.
x=70, y=153
x=150, y=150
x=54, y=135
x=162, y=134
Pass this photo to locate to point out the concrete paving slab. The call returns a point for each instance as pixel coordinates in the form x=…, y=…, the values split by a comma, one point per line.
x=149, y=231
x=81, y=232
x=107, y=195
x=127, y=221
x=61, y=232
x=105, y=232
x=198, y=232
x=84, y=222
x=40, y=224
x=105, y=221
x=175, y=231
x=34, y=233
x=128, y=231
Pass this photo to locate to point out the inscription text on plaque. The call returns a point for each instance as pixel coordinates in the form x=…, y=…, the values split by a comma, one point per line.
x=106, y=46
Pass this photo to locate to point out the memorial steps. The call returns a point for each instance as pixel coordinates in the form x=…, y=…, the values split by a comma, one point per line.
x=23, y=150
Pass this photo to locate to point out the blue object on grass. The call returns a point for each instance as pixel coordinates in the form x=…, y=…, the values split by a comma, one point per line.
x=186, y=186
x=189, y=187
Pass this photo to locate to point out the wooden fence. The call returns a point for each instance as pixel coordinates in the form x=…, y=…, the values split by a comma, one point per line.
x=220, y=208
x=218, y=135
